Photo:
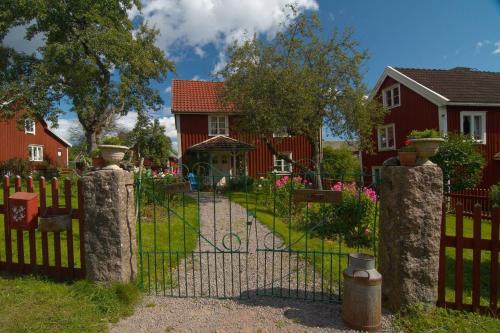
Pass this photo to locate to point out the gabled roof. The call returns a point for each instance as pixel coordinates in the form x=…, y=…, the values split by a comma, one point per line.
x=190, y=96
x=221, y=143
x=458, y=85
x=54, y=135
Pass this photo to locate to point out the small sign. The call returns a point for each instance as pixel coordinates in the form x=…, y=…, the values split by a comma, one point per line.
x=176, y=188
x=322, y=196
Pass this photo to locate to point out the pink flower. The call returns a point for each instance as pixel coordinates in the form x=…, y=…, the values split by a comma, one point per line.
x=367, y=232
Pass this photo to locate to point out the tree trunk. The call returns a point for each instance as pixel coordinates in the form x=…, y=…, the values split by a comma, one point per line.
x=316, y=155
x=92, y=141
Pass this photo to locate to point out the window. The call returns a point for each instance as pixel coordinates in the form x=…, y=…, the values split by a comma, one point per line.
x=282, y=133
x=391, y=96
x=29, y=126
x=282, y=166
x=217, y=125
x=473, y=123
x=376, y=174
x=386, y=136
x=35, y=153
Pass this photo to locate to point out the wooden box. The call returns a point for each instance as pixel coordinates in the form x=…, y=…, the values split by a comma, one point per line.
x=23, y=211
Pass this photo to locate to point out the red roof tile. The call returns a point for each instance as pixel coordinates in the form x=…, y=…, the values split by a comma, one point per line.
x=459, y=84
x=196, y=96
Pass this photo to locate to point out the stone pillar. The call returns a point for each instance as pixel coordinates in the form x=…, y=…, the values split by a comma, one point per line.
x=110, y=243
x=410, y=220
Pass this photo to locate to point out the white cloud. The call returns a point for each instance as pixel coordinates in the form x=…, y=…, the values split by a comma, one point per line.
x=197, y=23
x=199, y=52
x=497, y=48
x=168, y=89
x=169, y=123
x=66, y=127
x=15, y=39
x=127, y=122
x=221, y=63
x=196, y=77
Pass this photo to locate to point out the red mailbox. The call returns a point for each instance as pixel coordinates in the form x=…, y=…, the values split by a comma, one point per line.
x=23, y=211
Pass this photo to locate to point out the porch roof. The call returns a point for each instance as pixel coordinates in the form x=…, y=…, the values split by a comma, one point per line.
x=221, y=143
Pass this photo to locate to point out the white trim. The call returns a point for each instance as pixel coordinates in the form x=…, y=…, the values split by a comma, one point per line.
x=386, y=127
x=431, y=95
x=483, y=123
x=33, y=132
x=226, y=124
x=283, y=171
x=391, y=89
x=472, y=104
x=443, y=120
x=40, y=159
x=179, y=145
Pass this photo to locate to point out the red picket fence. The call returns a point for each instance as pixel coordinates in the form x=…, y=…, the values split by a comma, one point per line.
x=56, y=261
x=469, y=198
x=477, y=244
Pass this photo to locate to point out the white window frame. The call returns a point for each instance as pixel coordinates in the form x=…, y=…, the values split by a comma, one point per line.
x=283, y=133
x=35, y=157
x=374, y=174
x=29, y=129
x=280, y=165
x=472, y=114
x=386, y=128
x=218, y=130
x=391, y=89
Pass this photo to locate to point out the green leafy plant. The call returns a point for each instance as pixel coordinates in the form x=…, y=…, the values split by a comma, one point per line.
x=240, y=183
x=96, y=153
x=16, y=167
x=461, y=162
x=408, y=147
x=425, y=134
x=112, y=140
x=495, y=194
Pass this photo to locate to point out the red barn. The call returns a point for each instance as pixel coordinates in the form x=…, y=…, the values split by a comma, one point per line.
x=460, y=100
x=207, y=136
x=36, y=142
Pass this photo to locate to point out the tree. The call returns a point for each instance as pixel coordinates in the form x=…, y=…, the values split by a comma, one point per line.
x=93, y=56
x=340, y=163
x=461, y=162
x=151, y=142
x=300, y=82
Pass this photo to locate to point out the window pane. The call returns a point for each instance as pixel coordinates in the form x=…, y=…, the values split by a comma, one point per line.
x=390, y=136
x=395, y=96
x=388, y=99
x=382, y=138
x=478, y=131
x=466, y=125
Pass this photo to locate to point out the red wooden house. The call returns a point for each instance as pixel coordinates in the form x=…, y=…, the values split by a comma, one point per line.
x=35, y=142
x=460, y=100
x=207, y=136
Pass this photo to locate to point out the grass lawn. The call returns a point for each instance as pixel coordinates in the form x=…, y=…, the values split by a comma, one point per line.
x=37, y=305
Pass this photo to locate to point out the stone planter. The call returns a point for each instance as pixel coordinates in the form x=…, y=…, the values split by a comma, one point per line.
x=426, y=148
x=407, y=158
x=112, y=155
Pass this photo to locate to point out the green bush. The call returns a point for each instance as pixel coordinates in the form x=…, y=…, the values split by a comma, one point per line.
x=495, y=194
x=16, y=167
x=425, y=134
x=240, y=183
x=112, y=140
x=282, y=188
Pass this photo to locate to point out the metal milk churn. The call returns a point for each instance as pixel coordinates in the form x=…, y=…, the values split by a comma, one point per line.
x=362, y=303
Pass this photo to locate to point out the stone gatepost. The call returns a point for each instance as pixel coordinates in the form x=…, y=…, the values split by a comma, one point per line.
x=410, y=221
x=110, y=243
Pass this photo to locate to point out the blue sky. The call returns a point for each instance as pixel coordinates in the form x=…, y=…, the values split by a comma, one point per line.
x=424, y=33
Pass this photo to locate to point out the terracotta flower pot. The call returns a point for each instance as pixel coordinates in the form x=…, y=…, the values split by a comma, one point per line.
x=98, y=162
x=426, y=148
x=113, y=154
x=407, y=158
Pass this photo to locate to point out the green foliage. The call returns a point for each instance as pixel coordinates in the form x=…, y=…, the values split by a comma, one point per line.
x=38, y=305
x=150, y=141
x=16, y=167
x=96, y=153
x=461, y=162
x=240, y=183
x=425, y=134
x=340, y=163
x=495, y=194
x=419, y=318
x=113, y=140
x=281, y=197
x=94, y=57
x=298, y=81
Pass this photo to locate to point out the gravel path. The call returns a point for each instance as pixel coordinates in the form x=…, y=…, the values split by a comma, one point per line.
x=239, y=275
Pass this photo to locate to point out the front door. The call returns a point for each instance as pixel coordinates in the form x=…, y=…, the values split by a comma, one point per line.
x=221, y=166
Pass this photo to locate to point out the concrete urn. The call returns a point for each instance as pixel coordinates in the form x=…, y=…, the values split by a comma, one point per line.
x=426, y=148
x=112, y=155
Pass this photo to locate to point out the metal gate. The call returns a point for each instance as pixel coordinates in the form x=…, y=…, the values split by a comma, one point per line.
x=272, y=236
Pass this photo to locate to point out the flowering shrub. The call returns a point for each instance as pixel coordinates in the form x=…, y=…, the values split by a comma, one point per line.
x=282, y=188
x=352, y=218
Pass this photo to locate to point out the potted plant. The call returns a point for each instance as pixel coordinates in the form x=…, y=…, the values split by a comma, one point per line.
x=112, y=155
x=407, y=154
x=97, y=160
x=426, y=144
